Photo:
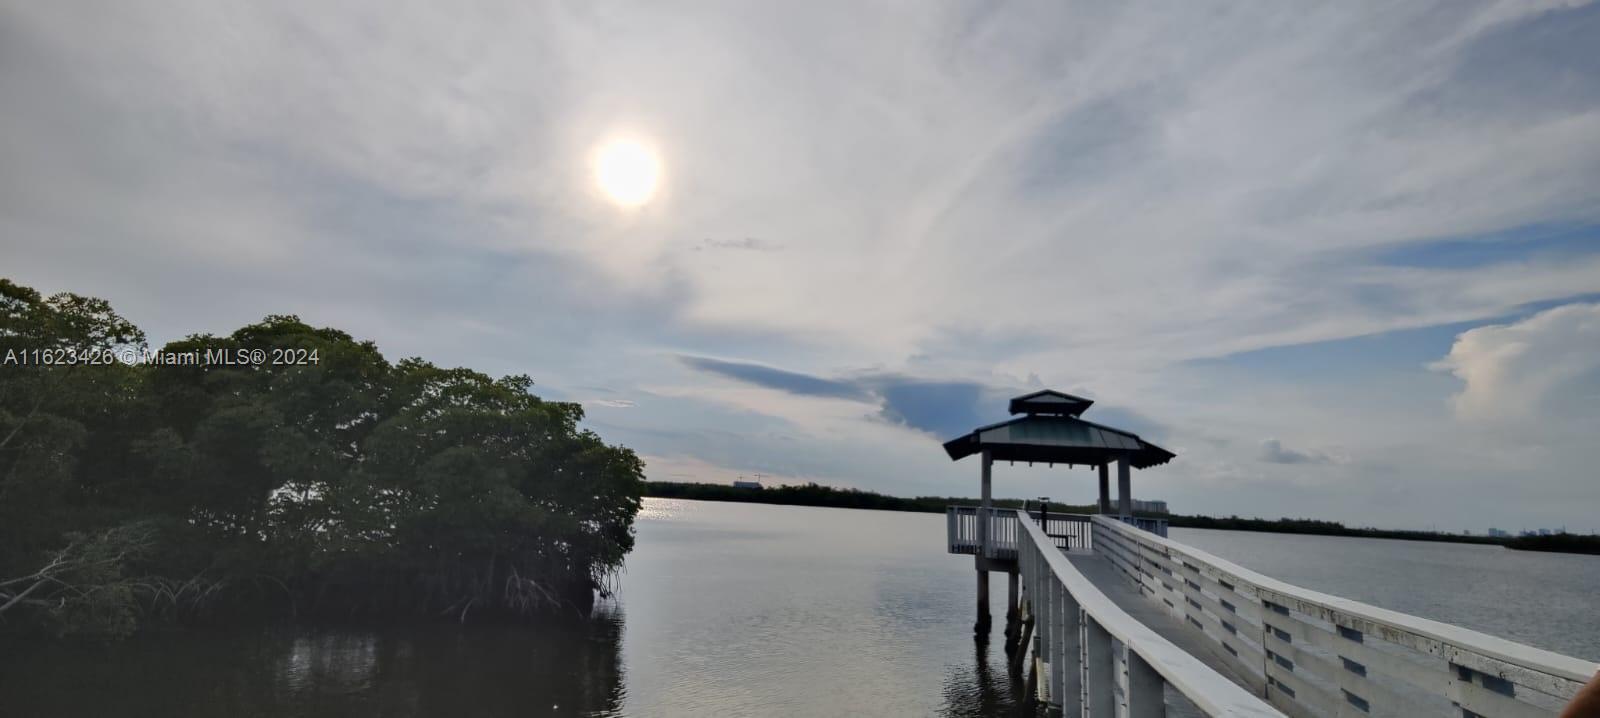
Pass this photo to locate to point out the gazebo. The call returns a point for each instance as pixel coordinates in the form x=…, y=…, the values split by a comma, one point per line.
x=1048, y=428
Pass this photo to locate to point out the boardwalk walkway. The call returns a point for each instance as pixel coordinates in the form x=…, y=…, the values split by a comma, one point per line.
x=1125, y=616
x=1116, y=587
x=1098, y=569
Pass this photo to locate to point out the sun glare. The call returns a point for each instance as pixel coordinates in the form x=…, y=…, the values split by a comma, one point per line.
x=628, y=172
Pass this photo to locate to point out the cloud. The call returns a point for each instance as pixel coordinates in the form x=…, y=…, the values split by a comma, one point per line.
x=952, y=198
x=940, y=408
x=747, y=243
x=1511, y=371
x=772, y=378
x=1210, y=196
x=611, y=403
x=1274, y=452
x=943, y=409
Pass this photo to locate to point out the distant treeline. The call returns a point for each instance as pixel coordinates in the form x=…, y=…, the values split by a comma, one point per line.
x=1565, y=543
x=1320, y=528
x=812, y=494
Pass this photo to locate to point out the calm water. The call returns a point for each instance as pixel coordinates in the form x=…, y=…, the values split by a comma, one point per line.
x=1549, y=600
x=732, y=609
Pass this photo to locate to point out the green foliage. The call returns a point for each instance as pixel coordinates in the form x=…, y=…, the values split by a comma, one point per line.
x=345, y=487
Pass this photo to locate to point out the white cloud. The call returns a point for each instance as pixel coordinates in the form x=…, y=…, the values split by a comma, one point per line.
x=610, y=403
x=1511, y=370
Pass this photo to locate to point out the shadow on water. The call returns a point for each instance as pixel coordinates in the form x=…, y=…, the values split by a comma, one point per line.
x=557, y=669
x=986, y=688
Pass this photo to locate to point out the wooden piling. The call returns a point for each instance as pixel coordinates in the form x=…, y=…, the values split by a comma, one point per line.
x=981, y=627
x=1011, y=608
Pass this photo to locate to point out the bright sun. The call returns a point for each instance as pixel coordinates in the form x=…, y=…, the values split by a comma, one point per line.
x=628, y=172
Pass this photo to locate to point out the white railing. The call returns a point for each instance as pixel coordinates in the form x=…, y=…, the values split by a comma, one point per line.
x=1099, y=661
x=1313, y=654
x=965, y=531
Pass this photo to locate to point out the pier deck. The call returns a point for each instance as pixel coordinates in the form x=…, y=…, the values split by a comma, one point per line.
x=1112, y=618
x=1099, y=570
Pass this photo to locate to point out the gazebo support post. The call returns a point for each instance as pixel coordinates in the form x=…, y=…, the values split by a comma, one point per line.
x=986, y=506
x=1012, y=614
x=1124, y=488
x=1105, y=489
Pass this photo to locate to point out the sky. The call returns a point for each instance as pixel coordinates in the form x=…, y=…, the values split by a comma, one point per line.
x=1342, y=258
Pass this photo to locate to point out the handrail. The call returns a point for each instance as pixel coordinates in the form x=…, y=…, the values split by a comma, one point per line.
x=965, y=532
x=964, y=537
x=1473, y=670
x=1142, y=648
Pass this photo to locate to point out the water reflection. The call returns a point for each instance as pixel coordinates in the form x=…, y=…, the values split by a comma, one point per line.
x=569, y=669
x=985, y=688
x=732, y=610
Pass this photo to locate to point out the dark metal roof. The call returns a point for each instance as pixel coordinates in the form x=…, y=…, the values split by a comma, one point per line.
x=1049, y=401
x=1056, y=437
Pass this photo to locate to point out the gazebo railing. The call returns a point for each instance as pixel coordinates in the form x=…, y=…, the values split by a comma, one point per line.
x=1313, y=654
x=965, y=531
x=1068, y=530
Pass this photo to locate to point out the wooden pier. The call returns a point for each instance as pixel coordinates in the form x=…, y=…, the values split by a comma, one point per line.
x=1125, y=622
x=1107, y=617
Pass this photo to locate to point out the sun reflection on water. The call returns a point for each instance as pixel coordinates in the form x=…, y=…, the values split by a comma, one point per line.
x=660, y=509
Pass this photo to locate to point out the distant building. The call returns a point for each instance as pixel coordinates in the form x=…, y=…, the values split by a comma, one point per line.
x=1150, y=507
x=1498, y=533
x=747, y=484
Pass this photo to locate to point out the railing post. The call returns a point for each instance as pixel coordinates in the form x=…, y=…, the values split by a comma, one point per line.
x=1057, y=662
x=1047, y=625
x=1011, y=597
x=1068, y=686
x=1035, y=604
x=1142, y=687
x=1027, y=613
x=1124, y=488
x=1098, y=676
x=985, y=503
x=981, y=627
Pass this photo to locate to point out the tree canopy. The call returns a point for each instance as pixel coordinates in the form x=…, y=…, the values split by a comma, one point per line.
x=320, y=481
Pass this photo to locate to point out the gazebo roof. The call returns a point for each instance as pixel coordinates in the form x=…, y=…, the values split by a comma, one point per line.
x=1050, y=401
x=1049, y=431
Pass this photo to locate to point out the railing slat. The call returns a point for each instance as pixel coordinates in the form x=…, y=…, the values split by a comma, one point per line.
x=1098, y=674
x=1330, y=640
x=1102, y=621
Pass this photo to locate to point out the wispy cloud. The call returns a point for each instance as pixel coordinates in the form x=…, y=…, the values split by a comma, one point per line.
x=945, y=199
x=789, y=381
x=746, y=243
x=1274, y=452
x=941, y=408
x=611, y=403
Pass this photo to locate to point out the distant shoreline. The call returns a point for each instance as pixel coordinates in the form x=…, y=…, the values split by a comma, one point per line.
x=828, y=497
